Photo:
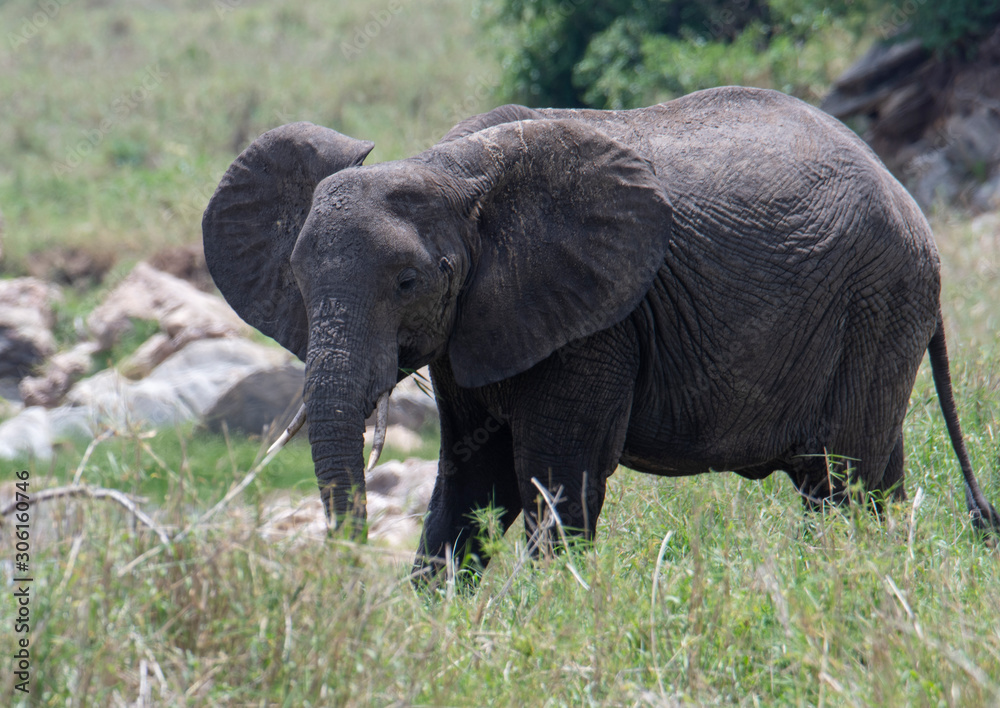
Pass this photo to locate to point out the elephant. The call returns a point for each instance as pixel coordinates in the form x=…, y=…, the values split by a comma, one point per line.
x=728, y=281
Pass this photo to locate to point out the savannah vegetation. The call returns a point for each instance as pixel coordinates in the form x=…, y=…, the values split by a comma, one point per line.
x=118, y=120
x=631, y=53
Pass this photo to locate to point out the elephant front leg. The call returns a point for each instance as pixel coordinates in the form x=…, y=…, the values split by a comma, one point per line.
x=475, y=472
x=561, y=501
x=570, y=420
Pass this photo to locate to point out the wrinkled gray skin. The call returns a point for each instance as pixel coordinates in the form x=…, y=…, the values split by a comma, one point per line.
x=728, y=281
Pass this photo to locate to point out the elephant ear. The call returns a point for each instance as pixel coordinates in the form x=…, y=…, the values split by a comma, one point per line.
x=254, y=217
x=571, y=228
x=501, y=114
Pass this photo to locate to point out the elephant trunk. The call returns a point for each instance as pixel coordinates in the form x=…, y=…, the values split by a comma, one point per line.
x=337, y=447
x=336, y=410
x=345, y=374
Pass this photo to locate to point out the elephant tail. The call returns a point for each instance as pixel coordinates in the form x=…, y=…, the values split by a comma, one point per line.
x=984, y=515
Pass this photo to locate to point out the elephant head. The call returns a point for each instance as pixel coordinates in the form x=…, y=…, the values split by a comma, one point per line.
x=493, y=249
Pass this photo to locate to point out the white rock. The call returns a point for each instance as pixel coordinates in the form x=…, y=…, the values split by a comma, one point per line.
x=412, y=403
x=398, y=495
x=182, y=388
x=258, y=400
x=28, y=434
x=34, y=431
x=397, y=438
x=71, y=423
x=295, y=518
x=180, y=308
x=110, y=398
x=410, y=482
x=26, y=320
x=150, y=354
x=59, y=374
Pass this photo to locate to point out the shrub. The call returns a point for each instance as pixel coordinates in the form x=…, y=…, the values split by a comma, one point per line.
x=626, y=53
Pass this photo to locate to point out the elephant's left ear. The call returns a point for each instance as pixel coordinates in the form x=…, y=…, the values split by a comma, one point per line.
x=572, y=227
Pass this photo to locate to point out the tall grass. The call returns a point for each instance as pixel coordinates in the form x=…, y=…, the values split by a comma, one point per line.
x=754, y=604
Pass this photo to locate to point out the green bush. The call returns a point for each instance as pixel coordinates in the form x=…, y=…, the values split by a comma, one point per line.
x=626, y=53
x=552, y=37
x=947, y=27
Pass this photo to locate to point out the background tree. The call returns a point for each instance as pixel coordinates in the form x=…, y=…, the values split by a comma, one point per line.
x=625, y=53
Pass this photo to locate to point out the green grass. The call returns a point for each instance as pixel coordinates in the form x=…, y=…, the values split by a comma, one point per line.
x=191, y=466
x=119, y=119
x=754, y=605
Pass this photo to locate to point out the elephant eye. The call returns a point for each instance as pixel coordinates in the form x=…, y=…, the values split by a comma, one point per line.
x=406, y=281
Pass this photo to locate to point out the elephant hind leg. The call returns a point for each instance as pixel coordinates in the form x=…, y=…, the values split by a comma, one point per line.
x=820, y=479
x=570, y=422
x=891, y=487
x=857, y=439
x=832, y=479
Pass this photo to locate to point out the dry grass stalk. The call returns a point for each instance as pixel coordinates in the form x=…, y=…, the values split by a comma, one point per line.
x=84, y=490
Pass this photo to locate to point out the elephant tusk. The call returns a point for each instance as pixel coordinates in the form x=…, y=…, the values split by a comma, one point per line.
x=381, y=418
x=293, y=427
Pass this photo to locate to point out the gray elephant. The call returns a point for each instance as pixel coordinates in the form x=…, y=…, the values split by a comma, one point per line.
x=727, y=281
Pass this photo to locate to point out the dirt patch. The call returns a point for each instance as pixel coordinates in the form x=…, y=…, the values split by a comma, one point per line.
x=186, y=263
x=69, y=265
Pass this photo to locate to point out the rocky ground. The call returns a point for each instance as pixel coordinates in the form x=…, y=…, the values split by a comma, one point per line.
x=199, y=365
x=934, y=120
